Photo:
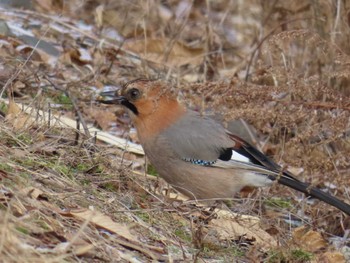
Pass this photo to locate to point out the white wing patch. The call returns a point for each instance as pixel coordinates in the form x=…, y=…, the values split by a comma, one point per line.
x=239, y=157
x=241, y=162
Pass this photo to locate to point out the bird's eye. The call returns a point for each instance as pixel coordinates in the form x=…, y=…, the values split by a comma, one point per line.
x=134, y=94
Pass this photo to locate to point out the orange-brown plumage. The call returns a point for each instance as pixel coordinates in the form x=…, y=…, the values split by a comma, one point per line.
x=158, y=108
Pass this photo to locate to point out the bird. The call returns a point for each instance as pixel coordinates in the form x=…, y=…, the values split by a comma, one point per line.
x=194, y=153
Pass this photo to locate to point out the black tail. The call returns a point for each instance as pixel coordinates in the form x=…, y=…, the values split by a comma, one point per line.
x=313, y=192
x=287, y=179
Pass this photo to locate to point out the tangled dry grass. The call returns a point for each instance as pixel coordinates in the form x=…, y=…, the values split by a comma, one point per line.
x=282, y=68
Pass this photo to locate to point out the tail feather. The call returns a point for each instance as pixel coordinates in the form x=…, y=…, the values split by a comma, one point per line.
x=313, y=192
x=285, y=178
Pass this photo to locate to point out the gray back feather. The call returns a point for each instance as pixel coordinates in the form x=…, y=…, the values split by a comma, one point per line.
x=197, y=137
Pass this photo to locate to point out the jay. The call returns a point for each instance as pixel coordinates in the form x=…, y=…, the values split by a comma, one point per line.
x=194, y=153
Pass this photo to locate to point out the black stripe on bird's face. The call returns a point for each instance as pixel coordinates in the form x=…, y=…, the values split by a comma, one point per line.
x=129, y=105
x=110, y=97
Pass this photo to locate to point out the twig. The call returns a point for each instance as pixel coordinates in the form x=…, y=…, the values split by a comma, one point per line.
x=76, y=139
x=49, y=112
x=147, y=252
x=75, y=106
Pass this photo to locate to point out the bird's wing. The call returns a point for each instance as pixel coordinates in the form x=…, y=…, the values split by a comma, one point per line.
x=255, y=159
x=194, y=137
x=203, y=141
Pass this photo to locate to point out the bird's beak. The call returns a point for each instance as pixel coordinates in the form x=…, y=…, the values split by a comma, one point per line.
x=114, y=97
x=110, y=97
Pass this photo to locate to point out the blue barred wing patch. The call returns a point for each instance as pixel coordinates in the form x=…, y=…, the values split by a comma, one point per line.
x=199, y=162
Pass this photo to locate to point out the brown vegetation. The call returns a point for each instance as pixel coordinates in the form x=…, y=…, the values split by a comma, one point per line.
x=281, y=66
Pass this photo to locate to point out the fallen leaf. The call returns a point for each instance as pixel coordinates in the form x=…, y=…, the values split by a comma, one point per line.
x=13, y=108
x=18, y=119
x=83, y=250
x=163, y=50
x=32, y=192
x=79, y=56
x=18, y=209
x=43, y=148
x=308, y=239
x=99, y=15
x=49, y=6
x=80, y=246
x=333, y=257
x=228, y=227
x=104, y=222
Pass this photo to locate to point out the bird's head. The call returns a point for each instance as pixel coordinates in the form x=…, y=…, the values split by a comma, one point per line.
x=142, y=97
x=149, y=102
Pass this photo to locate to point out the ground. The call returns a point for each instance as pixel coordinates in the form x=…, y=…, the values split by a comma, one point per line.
x=275, y=72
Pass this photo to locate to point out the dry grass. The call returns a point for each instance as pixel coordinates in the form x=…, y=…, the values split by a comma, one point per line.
x=282, y=67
